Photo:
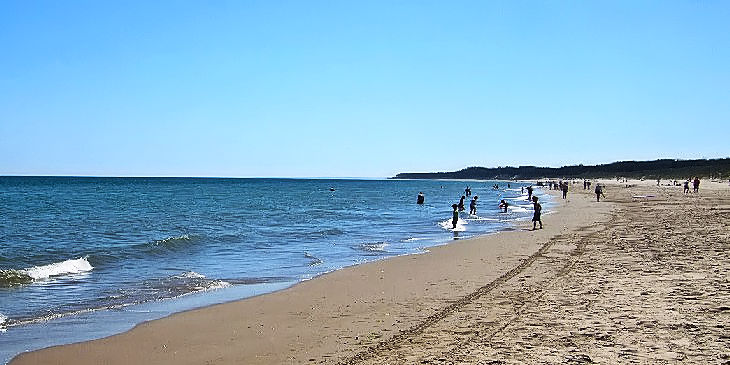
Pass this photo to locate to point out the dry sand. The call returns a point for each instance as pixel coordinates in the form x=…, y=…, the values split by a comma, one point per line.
x=629, y=280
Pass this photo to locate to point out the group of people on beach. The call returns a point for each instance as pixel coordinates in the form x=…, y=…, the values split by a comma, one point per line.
x=563, y=187
x=560, y=185
x=460, y=208
x=503, y=205
x=695, y=185
x=537, y=207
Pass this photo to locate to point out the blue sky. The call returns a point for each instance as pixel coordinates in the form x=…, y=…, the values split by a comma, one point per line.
x=366, y=88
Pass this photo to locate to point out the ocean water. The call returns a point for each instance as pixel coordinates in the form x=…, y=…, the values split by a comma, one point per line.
x=87, y=257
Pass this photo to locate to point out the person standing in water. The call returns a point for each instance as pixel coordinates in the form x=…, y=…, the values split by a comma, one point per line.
x=420, y=198
x=536, y=215
x=467, y=191
x=529, y=193
x=503, y=205
x=461, y=203
x=473, y=205
x=454, y=216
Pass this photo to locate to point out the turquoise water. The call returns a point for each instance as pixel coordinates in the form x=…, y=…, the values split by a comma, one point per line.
x=75, y=253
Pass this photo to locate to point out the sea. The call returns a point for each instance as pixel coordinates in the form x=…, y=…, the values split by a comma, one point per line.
x=86, y=257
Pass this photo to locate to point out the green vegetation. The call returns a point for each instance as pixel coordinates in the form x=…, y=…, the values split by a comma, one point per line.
x=658, y=169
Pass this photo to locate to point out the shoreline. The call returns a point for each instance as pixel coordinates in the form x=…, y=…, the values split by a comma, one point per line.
x=81, y=326
x=315, y=292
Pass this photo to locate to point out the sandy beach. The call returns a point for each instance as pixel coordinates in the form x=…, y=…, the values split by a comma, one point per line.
x=641, y=277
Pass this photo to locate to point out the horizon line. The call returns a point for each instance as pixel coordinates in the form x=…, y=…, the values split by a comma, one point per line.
x=203, y=177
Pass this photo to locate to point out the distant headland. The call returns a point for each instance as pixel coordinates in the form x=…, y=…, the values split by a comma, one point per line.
x=657, y=169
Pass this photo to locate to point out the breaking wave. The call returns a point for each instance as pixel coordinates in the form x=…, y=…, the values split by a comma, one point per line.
x=313, y=260
x=3, y=319
x=374, y=247
x=11, y=277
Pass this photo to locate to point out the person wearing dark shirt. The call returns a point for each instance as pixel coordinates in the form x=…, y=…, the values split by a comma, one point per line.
x=454, y=216
x=473, y=205
x=461, y=203
x=420, y=198
x=503, y=205
x=529, y=193
x=536, y=215
x=599, y=192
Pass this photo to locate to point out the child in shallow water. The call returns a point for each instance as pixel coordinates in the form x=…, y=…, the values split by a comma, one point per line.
x=473, y=205
x=455, y=216
x=503, y=205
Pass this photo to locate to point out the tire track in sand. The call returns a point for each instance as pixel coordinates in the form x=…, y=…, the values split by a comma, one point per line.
x=404, y=336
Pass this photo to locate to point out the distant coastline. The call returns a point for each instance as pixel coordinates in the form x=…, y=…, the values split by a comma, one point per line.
x=656, y=169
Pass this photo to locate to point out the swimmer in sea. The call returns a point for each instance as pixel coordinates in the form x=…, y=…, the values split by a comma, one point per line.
x=473, y=206
x=420, y=198
x=461, y=203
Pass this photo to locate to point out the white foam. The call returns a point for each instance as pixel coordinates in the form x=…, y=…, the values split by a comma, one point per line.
x=59, y=268
x=218, y=285
x=414, y=239
x=477, y=218
x=380, y=246
x=192, y=274
x=167, y=240
x=3, y=319
x=450, y=227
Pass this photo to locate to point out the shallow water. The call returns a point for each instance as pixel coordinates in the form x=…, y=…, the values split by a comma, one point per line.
x=73, y=246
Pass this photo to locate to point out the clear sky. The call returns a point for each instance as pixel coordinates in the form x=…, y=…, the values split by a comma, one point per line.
x=357, y=88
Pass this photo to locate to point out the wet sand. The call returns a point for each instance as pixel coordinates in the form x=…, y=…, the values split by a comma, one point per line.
x=626, y=280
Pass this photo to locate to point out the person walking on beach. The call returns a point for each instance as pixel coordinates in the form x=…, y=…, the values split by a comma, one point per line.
x=461, y=203
x=454, y=216
x=565, y=190
x=473, y=206
x=599, y=192
x=529, y=193
x=536, y=215
x=686, y=186
x=503, y=205
x=420, y=198
x=696, y=185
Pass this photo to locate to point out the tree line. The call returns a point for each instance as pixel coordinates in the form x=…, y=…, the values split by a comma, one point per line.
x=657, y=169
